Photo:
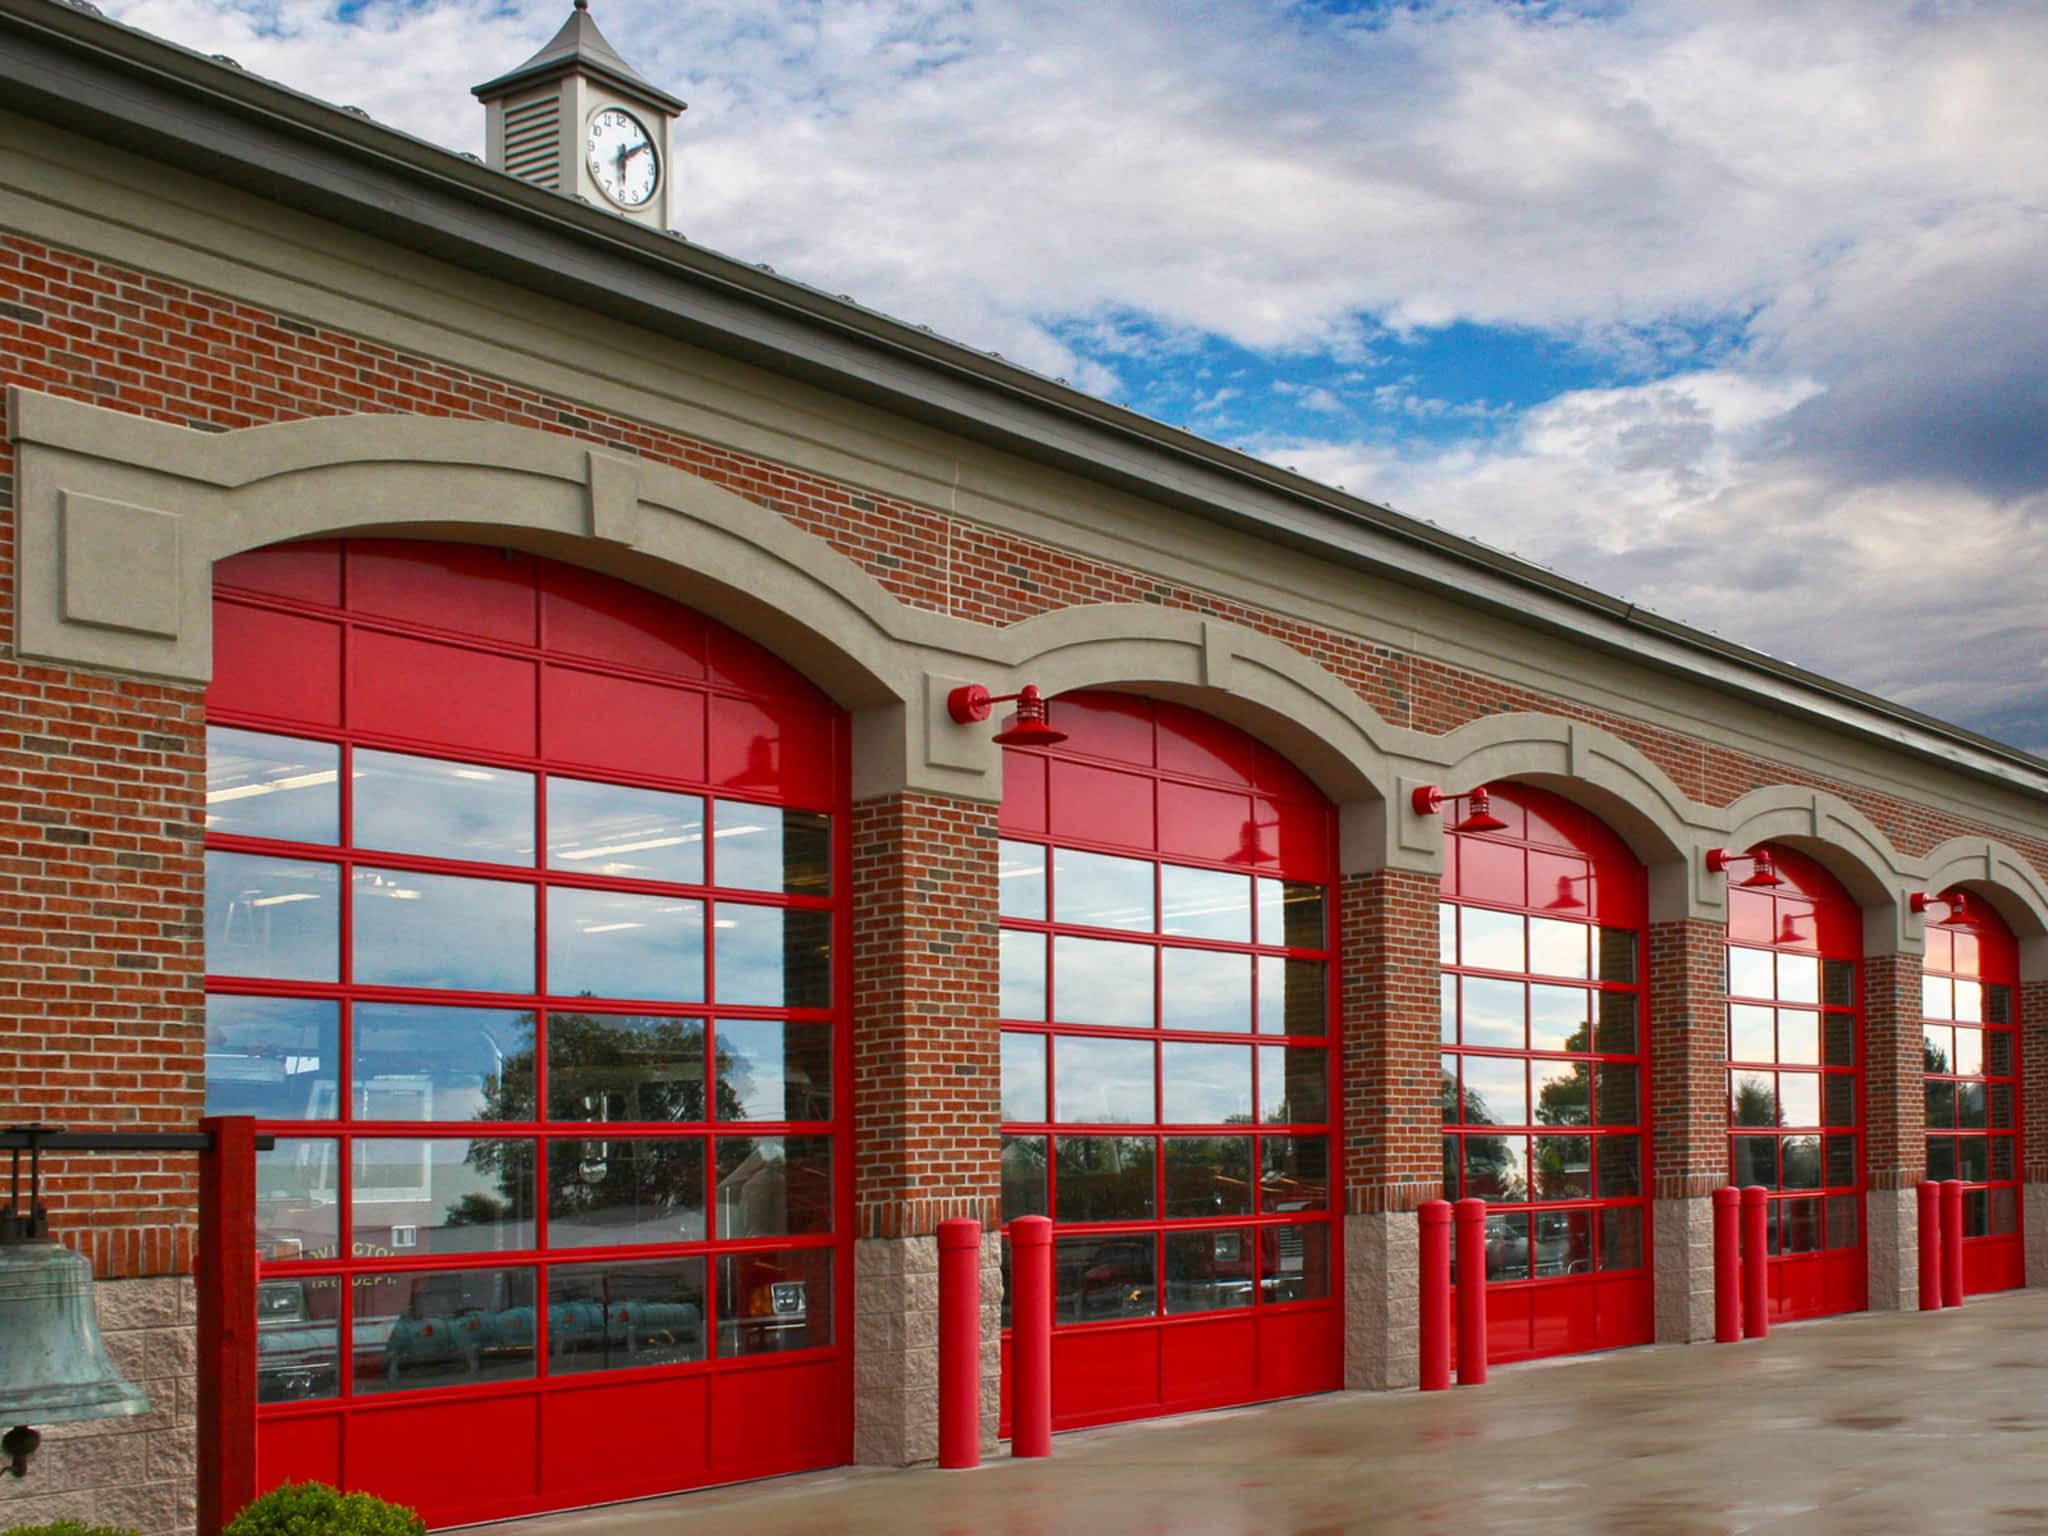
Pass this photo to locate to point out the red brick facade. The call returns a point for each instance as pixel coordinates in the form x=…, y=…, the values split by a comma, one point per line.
x=1393, y=1153
x=1689, y=1057
x=2033, y=1002
x=1895, y=1104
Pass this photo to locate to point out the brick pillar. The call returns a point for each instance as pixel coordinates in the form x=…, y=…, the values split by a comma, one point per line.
x=2033, y=1001
x=1894, y=1128
x=1393, y=1150
x=1689, y=1104
x=926, y=1124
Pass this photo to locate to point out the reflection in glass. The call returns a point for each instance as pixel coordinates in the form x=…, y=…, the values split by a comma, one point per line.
x=1798, y=978
x=414, y=930
x=1798, y=1098
x=440, y=809
x=1293, y=996
x=772, y=1302
x=1104, y=1178
x=1618, y=955
x=1559, y=1018
x=1838, y=1100
x=612, y=944
x=1098, y=1278
x=1447, y=1088
x=1617, y=1028
x=444, y=1195
x=629, y=834
x=1294, y=1173
x=1969, y=1056
x=1447, y=1009
x=763, y=848
x=1621, y=1237
x=2001, y=1106
x=617, y=1191
x=1798, y=1037
x=1024, y=1177
x=1211, y=1270
x=1023, y=1077
x=1937, y=1043
x=1838, y=983
x=1563, y=1092
x=1840, y=1039
x=1094, y=890
x=1205, y=989
x=1754, y=1100
x=1752, y=1033
x=1294, y=1262
x=1937, y=997
x=258, y=785
x=1497, y=1168
x=1507, y=1246
x=298, y=1342
x=1021, y=966
x=624, y=1067
x=1205, y=904
x=272, y=1057
x=1020, y=873
x=1842, y=1222
x=1563, y=1167
x=1799, y=1224
x=1800, y=1167
x=1102, y=1082
x=276, y=918
x=1841, y=1161
x=1203, y=1084
x=1972, y=1160
x=1446, y=934
x=1293, y=1085
x=1941, y=1158
x=1970, y=1002
x=1751, y=973
x=1291, y=914
x=1998, y=1053
x=774, y=1186
x=1496, y=1091
x=297, y=1200
x=1495, y=1013
x=442, y=1328
x=1564, y=1243
x=772, y=957
x=422, y=1063
x=1756, y=1161
x=1099, y=981
x=1941, y=1104
x=1491, y=941
x=613, y=1317
x=1617, y=1088
x=1208, y=1176
x=1621, y=1167
x=769, y=1070
x=1557, y=948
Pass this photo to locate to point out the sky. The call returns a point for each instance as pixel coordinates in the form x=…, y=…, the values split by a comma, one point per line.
x=1737, y=310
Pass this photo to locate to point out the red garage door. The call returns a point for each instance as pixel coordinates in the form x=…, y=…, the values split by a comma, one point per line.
x=525, y=931
x=1169, y=1094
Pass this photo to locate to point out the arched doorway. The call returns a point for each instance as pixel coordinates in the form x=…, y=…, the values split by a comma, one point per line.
x=1545, y=1069
x=1169, y=1087
x=526, y=935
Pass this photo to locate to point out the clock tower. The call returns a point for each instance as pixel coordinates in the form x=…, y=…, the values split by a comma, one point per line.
x=575, y=118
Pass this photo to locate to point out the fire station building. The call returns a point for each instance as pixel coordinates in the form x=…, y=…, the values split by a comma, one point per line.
x=482, y=683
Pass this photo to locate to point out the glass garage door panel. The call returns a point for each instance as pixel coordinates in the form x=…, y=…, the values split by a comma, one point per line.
x=1545, y=1072
x=1168, y=1018
x=549, y=1027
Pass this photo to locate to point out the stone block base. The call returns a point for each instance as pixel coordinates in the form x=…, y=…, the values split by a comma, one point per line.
x=1892, y=1241
x=896, y=1348
x=1682, y=1256
x=2034, y=1231
x=1382, y=1252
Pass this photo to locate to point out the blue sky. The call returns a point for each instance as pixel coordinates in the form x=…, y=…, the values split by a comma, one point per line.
x=1734, y=309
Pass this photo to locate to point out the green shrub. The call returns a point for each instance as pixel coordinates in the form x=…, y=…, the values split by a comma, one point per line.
x=66, y=1528
x=314, y=1509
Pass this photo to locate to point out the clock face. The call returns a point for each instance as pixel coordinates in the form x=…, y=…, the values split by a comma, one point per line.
x=622, y=158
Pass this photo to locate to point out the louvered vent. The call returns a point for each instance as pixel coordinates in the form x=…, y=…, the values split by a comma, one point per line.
x=533, y=140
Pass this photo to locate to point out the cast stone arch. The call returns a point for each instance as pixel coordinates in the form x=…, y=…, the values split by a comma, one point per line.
x=1843, y=841
x=2004, y=878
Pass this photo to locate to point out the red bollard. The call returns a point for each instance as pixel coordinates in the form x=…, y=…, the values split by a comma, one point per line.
x=1952, y=1242
x=1470, y=1215
x=960, y=1342
x=1435, y=1218
x=1930, y=1246
x=1727, y=1265
x=1756, y=1281
x=1031, y=1336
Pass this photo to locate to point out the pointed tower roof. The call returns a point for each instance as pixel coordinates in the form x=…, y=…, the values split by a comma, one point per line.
x=577, y=47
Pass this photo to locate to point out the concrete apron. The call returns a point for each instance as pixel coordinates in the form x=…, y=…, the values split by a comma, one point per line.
x=1879, y=1423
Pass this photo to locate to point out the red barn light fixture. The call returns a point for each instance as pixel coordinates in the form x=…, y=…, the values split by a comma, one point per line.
x=1957, y=902
x=971, y=703
x=1480, y=817
x=1762, y=875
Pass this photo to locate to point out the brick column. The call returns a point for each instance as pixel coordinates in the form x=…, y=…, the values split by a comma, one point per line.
x=1894, y=1128
x=1689, y=1105
x=2033, y=1002
x=927, y=1117
x=1393, y=1147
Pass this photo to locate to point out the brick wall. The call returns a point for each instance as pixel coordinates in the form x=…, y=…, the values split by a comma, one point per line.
x=1894, y=1096
x=2033, y=1041
x=1688, y=1058
x=1393, y=1119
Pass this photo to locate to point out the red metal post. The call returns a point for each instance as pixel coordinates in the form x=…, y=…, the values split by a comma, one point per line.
x=960, y=1342
x=1435, y=1217
x=1756, y=1275
x=1930, y=1246
x=1031, y=1336
x=1952, y=1242
x=1470, y=1215
x=1727, y=1265
x=227, y=1321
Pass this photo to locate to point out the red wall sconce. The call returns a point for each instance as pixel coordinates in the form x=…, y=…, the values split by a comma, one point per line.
x=971, y=703
x=1957, y=902
x=1762, y=873
x=1428, y=800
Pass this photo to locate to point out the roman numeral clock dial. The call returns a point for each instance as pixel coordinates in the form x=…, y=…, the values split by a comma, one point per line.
x=622, y=157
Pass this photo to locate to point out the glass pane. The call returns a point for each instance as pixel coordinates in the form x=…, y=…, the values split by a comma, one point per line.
x=1024, y=1181
x=1294, y=1173
x=1970, y=1002
x=1838, y=1094
x=1560, y=1019
x=298, y=1342
x=1564, y=1093
x=1842, y=1222
x=1998, y=1052
x=1621, y=1238
x=1558, y=948
x=1973, y=1159
x=2004, y=1212
x=769, y=1186
x=1941, y=1157
x=275, y=1058
x=1507, y=1246
x=1618, y=954
x=763, y=848
x=1098, y=1278
x=1798, y=1098
x=1495, y=1013
x=613, y=1317
x=1976, y=1216
x=1937, y=997
x=272, y=917
x=2001, y=1106
x=1562, y=1166
x=1208, y=1271
x=259, y=785
x=1619, y=1100
x=1022, y=968
x=1020, y=876
x=772, y=1302
x=1094, y=890
x=1103, y=1178
x=624, y=1067
x=1799, y=1225
x=1941, y=1104
x=442, y=1328
x=1102, y=1082
x=1751, y=973
x=1497, y=1168
x=1969, y=1057
x=1453, y=1189
x=1294, y=1262
x=1937, y=1048
x=1205, y=989
x=1290, y=914
x=1205, y=904
x=1447, y=1090
x=1838, y=983
x=1446, y=934
x=1496, y=1091
x=1564, y=1243
x=1617, y=1029
x=631, y=834
x=1841, y=1165
x=1997, y=1004
x=619, y=1192
x=1754, y=1098
x=1203, y=1084
x=298, y=1193
x=441, y=1196
x=611, y=944
x=444, y=810
x=1798, y=1037
x=1798, y=978
x=1621, y=1167
x=1752, y=1033
x=419, y=1063
x=1208, y=1176
x=1970, y=1106
x=2001, y=1157
x=414, y=930
x=1491, y=941
x=1293, y=995
x=1097, y=981
x=1447, y=1009
x=1294, y=1085
x=1024, y=1078
x=772, y=957
x=1801, y=1165
x=1756, y=1161
x=769, y=1070
x=1839, y=1039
